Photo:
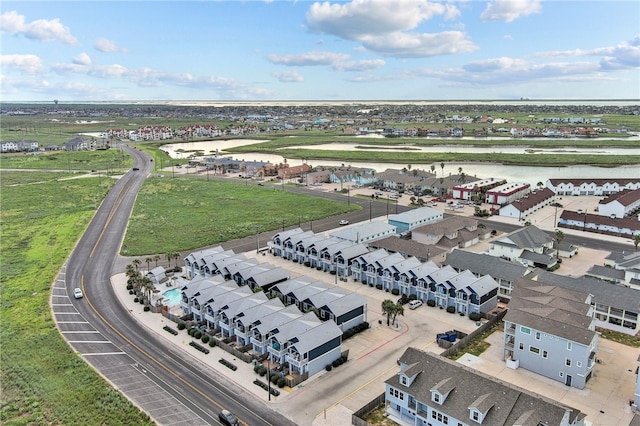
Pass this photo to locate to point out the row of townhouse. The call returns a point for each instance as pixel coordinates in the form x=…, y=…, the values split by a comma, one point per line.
x=347, y=310
x=198, y=131
x=298, y=342
x=622, y=204
x=148, y=133
x=463, y=291
x=529, y=204
x=151, y=133
x=566, y=132
x=530, y=246
x=624, y=227
x=589, y=186
x=432, y=390
x=616, y=306
x=477, y=188
x=19, y=146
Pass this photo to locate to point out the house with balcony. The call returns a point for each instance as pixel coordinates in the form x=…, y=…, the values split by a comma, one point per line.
x=616, y=306
x=345, y=257
x=214, y=264
x=362, y=268
x=414, y=281
x=530, y=246
x=475, y=189
x=394, y=272
x=310, y=351
x=277, y=242
x=550, y=331
x=246, y=319
x=505, y=273
x=328, y=255
x=432, y=390
x=228, y=314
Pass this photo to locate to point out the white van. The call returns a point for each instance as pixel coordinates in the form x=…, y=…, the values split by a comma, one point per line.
x=415, y=304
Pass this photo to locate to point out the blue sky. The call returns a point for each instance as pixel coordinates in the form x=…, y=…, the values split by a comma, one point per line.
x=324, y=50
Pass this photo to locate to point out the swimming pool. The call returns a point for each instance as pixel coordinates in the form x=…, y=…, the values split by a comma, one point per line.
x=172, y=297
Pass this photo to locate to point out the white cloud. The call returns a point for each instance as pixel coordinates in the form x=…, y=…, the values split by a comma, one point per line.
x=403, y=45
x=308, y=59
x=290, y=76
x=41, y=29
x=510, y=10
x=30, y=64
x=383, y=26
x=82, y=59
x=625, y=55
x=362, y=18
x=364, y=65
x=107, y=46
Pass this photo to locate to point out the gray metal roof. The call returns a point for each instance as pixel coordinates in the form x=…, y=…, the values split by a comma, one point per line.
x=507, y=404
x=616, y=296
x=316, y=336
x=483, y=264
x=540, y=306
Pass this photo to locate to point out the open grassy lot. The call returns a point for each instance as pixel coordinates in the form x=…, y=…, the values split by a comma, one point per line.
x=43, y=381
x=182, y=213
x=111, y=160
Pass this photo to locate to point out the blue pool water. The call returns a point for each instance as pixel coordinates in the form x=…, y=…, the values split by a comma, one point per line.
x=172, y=296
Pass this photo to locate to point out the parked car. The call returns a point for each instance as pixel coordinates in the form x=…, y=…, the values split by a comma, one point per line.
x=135, y=169
x=226, y=418
x=414, y=304
x=77, y=293
x=343, y=222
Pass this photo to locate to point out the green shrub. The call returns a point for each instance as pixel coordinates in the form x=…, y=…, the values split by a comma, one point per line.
x=281, y=382
x=451, y=309
x=413, y=297
x=475, y=316
x=147, y=308
x=328, y=367
x=135, y=299
x=181, y=325
x=395, y=292
x=205, y=338
x=431, y=303
x=197, y=334
x=379, y=286
x=212, y=342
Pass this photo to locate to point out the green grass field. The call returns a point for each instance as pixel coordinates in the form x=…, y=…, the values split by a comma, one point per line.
x=43, y=381
x=182, y=213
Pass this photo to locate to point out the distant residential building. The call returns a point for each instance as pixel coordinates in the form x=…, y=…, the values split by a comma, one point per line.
x=467, y=191
x=529, y=246
x=623, y=227
x=452, y=232
x=432, y=390
x=551, y=331
x=412, y=219
x=364, y=232
x=529, y=204
x=507, y=193
x=591, y=186
x=621, y=204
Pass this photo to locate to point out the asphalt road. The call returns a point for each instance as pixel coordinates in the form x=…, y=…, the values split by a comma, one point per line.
x=169, y=386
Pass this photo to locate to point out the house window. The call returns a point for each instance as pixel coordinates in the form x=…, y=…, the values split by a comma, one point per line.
x=537, y=335
x=436, y=397
x=578, y=364
x=545, y=354
x=521, y=346
x=567, y=362
x=403, y=380
x=561, y=374
x=534, y=350
x=569, y=346
x=525, y=330
x=475, y=416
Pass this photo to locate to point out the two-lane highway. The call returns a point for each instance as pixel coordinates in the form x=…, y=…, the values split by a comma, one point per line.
x=169, y=388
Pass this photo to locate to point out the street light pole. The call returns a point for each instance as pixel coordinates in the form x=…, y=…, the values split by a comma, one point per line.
x=370, y=202
x=257, y=239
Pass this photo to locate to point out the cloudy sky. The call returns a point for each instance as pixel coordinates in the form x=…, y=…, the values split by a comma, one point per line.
x=319, y=50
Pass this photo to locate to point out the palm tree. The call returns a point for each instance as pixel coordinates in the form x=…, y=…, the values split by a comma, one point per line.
x=156, y=258
x=442, y=167
x=388, y=307
x=539, y=185
x=459, y=170
x=136, y=263
x=559, y=238
x=636, y=241
x=397, y=310
x=433, y=168
x=176, y=256
x=147, y=288
x=148, y=260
